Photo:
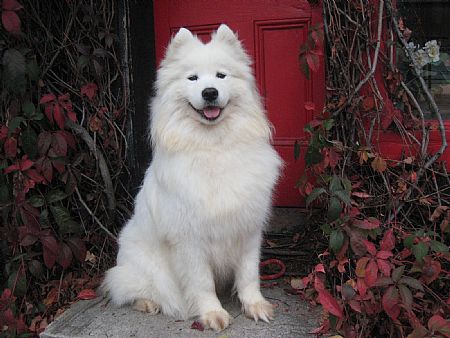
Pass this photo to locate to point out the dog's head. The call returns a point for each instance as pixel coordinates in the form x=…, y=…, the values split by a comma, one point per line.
x=204, y=79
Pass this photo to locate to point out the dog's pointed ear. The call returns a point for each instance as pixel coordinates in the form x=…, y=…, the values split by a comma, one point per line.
x=183, y=36
x=225, y=34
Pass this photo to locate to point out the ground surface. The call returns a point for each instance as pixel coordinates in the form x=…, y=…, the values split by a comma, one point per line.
x=96, y=318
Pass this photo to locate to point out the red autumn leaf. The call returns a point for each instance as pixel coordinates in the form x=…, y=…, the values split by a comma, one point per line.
x=197, y=326
x=10, y=147
x=47, y=98
x=72, y=116
x=368, y=103
x=11, y=5
x=49, y=257
x=367, y=224
x=310, y=105
x=87, y=294
x=70, y=140
x=3, y=132
x=59, y=166
x=90, y=90
x=361, y=267
x=47, y=169
x=384, y=267
x=318, y=284
x=11, y=22
x=313, y=61
x=330, y=303
x=43, y=142
x=59, y=116
x=59, y=144
x=370, y=247
x=11, y=168
x=371, y=273
x=78, y=248
x=439, y=324
x=390, y=302
x=319, y=268
x=49, y=112
x=355, y=305
x=316, y=38
x=430, y=270
x=50, y=249
x=388, y=241
x=64, y=257
x=25, y=163
x=384, y=254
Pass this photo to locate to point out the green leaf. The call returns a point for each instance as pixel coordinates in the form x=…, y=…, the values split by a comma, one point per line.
x=335, y=184
x=347, y=185
x=420, y=250
x=328, y=124
x=29, y=142
x=304, y=66
x=326, y=228
x=37, y=201
x=313, y=155
x=343, y=196
x=409, y=241
x=83, y=61
x=411, y=282
x=334, y=209
x=18, y=283
x=314, y=194
x=28, y=109
x=398, y=273
x=14, y=71
x=33, y=70
x=35, y=268
x=296, y=150
x=437, y=246
x=406, y=296
x=55, y=196
x=15, y=123
x=60, y=214
x=70, y=227
x=336, y=240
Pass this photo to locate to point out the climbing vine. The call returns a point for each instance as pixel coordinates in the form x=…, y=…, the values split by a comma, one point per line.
x=63, y=112
x=386, y=270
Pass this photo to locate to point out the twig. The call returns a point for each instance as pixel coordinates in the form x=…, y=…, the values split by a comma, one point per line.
x=93, y=215
x=104, y=170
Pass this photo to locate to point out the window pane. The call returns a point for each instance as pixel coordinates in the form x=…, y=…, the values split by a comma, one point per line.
x=429, y=21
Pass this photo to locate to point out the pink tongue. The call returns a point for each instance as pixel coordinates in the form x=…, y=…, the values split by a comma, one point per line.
x=211, y=112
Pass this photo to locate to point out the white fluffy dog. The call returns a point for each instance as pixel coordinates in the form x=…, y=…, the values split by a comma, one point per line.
x=207, y=194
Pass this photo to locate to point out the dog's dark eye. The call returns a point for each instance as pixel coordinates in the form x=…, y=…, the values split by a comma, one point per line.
x=193, y=78
x=220, y=75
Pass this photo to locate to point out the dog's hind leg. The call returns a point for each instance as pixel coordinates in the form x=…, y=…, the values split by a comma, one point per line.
x=147, y=293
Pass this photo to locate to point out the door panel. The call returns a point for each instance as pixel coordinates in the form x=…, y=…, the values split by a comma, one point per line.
x=272, y=32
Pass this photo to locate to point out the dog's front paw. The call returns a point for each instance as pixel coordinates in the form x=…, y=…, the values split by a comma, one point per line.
x=146, y=305
x=216, y=320
x=260, y=310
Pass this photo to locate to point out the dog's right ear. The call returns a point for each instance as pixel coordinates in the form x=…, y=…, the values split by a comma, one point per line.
x=183, y=36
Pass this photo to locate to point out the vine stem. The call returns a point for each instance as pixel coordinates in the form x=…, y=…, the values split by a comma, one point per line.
x=431, y=101
x=104, y=170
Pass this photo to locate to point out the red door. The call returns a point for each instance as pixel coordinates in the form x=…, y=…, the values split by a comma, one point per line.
x=272, y=33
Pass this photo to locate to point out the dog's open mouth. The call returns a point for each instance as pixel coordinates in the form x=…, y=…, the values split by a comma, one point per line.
x=209, y=113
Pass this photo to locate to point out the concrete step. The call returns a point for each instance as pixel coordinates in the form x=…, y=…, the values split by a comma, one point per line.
x=98, y=318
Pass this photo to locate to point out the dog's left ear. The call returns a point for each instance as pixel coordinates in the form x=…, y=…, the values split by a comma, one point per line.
x=225, y=34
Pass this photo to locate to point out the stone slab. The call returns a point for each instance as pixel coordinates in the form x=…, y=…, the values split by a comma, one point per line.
x=98, y=318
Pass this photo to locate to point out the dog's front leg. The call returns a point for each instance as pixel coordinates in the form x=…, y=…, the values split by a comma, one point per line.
x=247, y=281
x=198, y=283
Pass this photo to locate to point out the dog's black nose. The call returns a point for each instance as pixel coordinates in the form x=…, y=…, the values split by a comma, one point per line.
x=210, y=94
